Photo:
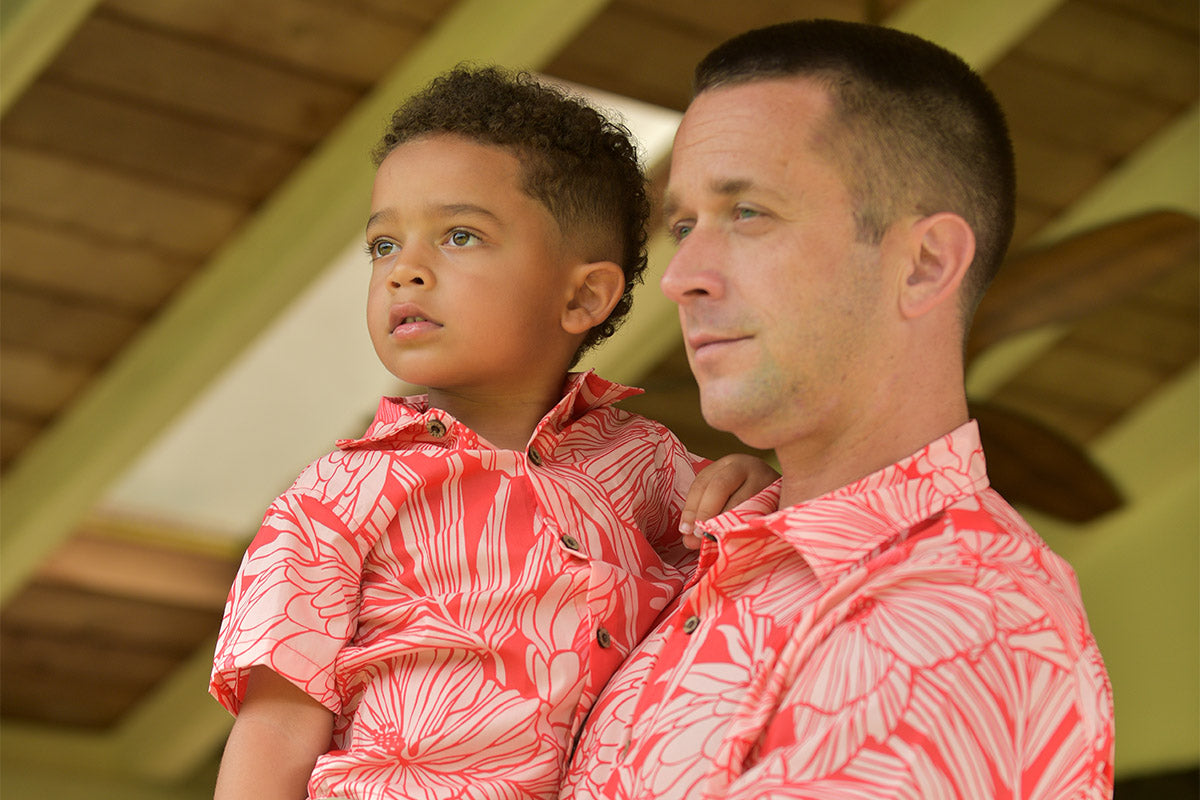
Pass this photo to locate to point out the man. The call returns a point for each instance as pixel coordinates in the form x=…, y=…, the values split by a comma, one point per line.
x=881, y=624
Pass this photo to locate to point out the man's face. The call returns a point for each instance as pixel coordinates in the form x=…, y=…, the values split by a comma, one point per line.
x=782, y=308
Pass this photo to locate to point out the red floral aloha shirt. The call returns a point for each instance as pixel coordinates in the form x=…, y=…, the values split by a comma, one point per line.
x=906, y=636
x=459, y=607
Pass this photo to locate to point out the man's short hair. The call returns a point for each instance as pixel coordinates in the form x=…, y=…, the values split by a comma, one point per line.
x=913, y=128
x=580, y=165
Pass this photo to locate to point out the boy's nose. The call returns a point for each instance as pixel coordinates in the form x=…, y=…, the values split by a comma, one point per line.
x=410, y=268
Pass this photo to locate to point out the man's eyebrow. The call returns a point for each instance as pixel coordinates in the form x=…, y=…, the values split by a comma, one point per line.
x=730, y=186
x=726, y=187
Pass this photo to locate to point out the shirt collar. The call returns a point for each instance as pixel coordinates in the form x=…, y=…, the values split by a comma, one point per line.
x=408, y=418
x=583, y=392
x=843, y=528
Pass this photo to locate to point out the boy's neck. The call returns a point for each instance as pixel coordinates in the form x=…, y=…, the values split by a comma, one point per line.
x=506, y=420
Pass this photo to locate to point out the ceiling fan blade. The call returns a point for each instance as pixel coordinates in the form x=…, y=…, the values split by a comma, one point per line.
x=1031, y=464
x=1090, y=270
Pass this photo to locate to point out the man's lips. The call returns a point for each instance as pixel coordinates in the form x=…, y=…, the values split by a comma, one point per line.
x=697, y=342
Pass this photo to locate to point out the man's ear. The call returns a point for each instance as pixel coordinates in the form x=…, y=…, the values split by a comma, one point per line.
x=596, y=288
x=940, y=250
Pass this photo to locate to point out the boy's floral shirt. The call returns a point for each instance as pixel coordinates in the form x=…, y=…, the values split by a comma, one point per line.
x=458, y=607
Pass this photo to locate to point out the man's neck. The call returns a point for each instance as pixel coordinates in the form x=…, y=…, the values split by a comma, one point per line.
x=812, y=467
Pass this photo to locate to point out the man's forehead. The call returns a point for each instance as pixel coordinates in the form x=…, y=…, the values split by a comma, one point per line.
x=784, y=91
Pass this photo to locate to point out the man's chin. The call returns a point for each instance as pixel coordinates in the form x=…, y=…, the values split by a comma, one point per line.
x=730, y=415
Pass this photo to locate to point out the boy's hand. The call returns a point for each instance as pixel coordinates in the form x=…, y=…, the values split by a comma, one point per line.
x=719, y=487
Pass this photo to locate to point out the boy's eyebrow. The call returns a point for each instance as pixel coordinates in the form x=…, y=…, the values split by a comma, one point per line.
x=458, y=209
x=379, y=215
x=726, y=187
x=445, y=210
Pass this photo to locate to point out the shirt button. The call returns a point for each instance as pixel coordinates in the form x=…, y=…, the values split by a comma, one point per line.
x=569, y=541
x=436, y=428
x=603, y=638
x=534, y=457
x=690, y=624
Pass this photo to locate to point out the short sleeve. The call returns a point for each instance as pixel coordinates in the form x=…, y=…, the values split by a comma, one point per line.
x=294, y=603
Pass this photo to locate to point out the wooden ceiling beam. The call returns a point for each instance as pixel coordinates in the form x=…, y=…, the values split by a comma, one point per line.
x=301, y=229
x=31, y=34
x=163, y=741
x=980, y=33
x=1163, y=174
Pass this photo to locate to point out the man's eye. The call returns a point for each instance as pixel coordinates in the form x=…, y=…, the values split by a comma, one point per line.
x=680, y=230
x=745, y=213
x=462, y=238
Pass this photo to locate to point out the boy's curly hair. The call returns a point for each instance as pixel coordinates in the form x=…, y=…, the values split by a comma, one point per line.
x=581, y=166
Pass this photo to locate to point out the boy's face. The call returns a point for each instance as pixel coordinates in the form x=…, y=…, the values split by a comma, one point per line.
x=469, y=274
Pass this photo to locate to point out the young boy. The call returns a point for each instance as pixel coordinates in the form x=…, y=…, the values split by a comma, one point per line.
x=431, y=610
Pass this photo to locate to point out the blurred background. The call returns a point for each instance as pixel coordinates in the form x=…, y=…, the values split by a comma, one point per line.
x=183, y=188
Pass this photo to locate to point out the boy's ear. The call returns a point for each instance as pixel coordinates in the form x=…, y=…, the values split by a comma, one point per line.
x=596, y=287
x=939, y=252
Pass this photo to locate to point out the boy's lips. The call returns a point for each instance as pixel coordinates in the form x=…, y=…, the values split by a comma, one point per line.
x=408, y=317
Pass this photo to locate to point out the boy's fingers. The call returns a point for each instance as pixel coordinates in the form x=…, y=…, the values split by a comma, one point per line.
x=687, y=523
x=713, y=490
x=725, y=483
x=743, y=493
x=698, y=504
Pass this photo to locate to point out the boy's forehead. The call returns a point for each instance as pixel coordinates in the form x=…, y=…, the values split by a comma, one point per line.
x=450, y=162
x=461, y=160
x=448, y=175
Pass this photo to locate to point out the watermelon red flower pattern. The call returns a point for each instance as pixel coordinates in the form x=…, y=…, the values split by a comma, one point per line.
x=928, y=645
x=457, y=607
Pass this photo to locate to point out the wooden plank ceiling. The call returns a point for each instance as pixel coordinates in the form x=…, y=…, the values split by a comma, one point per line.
x=161, y=131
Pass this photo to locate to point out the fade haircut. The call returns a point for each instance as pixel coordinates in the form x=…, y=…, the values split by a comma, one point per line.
x=913, y=129
x=580, y=165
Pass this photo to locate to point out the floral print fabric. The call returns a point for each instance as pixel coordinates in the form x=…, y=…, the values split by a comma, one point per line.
x=906, y=636
x=458, y=607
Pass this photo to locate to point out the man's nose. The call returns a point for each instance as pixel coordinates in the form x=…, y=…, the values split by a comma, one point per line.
x=694, y=271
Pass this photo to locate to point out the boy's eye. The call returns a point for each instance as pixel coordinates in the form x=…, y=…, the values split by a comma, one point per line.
x=462, y=238
x=381, y=248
